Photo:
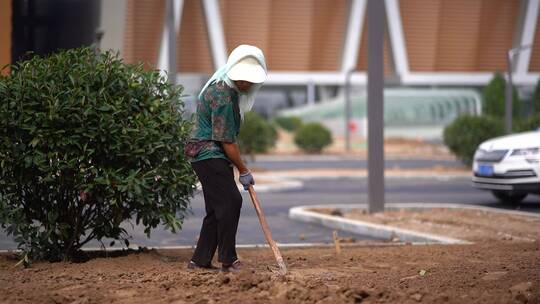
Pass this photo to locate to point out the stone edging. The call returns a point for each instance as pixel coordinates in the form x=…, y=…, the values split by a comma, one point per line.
x=366, y=228
x=329, y=174
x=277, y=183
x=294, y=180
x=239, y=246
x=302, y=213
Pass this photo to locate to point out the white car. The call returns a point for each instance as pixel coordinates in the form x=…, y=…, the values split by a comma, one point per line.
x=509, y=166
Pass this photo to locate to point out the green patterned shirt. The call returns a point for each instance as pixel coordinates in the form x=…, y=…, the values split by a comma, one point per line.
x=217, y=120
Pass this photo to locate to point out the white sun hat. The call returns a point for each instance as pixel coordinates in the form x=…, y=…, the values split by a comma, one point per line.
x=248, y=69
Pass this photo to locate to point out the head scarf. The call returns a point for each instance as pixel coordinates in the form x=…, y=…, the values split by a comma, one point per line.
x=245, y=99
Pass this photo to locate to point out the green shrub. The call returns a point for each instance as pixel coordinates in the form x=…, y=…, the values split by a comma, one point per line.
x=313, y=137
x=536, y=98
x=289, y=123
x=530, y=124
x=465, y=133
x=256, y=135
x=494, y=98
x=86, y=143
x=273, y=134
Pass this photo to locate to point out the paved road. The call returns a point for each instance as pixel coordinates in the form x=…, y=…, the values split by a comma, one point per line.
x=319, y=191
x=398, y=190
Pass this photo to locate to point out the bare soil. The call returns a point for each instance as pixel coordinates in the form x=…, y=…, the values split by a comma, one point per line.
x=492, y=270
x=466, y=224
x=482, y=273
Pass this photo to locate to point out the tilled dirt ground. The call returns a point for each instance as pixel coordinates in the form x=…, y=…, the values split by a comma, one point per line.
x=492, y=270
x=467, y=224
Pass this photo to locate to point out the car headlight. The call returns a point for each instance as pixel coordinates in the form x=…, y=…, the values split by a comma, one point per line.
x=478, y=153
x=532, y=155
x=526, y=151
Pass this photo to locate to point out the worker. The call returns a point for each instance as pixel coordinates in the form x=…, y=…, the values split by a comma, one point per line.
x=221, y=107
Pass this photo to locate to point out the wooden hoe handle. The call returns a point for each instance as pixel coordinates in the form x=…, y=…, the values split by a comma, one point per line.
x=267, y=233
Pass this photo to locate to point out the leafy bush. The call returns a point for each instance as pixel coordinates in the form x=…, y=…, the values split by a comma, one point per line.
x=256, y=135
x=536, y=98
x=289, y=123
x=494, y=98
x=87, y=142
x=465, y=133
x=530, y=124
x=313, y=137
x=273, y=134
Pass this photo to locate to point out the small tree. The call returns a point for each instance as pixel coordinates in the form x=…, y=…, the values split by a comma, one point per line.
x=256, y=135
x=289, y=123
x=536, y=98
x=494, y=98
x=466, y=133
x=87, y=142
x=313, y=137
x=532, y=123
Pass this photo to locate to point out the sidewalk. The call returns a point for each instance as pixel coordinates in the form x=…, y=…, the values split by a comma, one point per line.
x=444, y=173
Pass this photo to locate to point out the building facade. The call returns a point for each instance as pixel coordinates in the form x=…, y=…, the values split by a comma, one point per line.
x=311, y=45
x=428, y=42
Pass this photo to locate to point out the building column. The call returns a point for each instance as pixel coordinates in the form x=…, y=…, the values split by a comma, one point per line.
x=397, y=38
x=352, y=38
x=525, y=35
x=216, y=35
x=164, y=50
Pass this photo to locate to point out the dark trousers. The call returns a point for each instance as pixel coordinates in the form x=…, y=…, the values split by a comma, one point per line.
x=222, y=202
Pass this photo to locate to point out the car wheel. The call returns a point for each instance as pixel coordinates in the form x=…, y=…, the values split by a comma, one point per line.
x=509, y=197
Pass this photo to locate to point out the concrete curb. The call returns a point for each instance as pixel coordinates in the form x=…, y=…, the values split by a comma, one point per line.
x=242, y=246
x=277, y=183
x=302, y=213
x=310, y=175
x=290, y=180
x=365, y=228
x=337, y=157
